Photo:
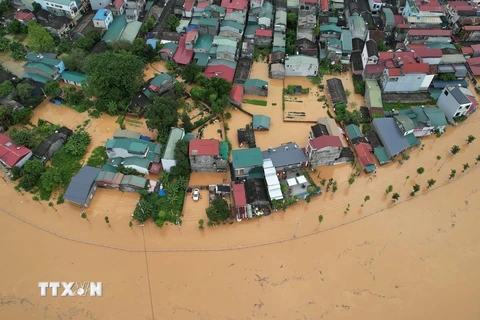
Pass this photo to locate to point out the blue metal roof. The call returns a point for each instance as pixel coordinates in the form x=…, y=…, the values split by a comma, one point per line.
x=102, y=14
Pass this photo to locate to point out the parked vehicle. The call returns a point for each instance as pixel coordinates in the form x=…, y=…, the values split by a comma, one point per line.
x=196, y=195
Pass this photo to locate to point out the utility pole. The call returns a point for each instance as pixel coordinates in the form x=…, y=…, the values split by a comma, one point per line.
x=296, y=228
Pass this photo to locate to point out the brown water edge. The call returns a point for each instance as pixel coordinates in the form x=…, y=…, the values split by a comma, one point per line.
x=411, y=261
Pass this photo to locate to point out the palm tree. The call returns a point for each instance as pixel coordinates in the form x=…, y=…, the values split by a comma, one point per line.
x=320, y=219
x=365, y=199
x=431, y=182
x=107, y=221
x=389, y=189
x=420, y=170
x=416, y=188
x=477, y=159
x=84, y=216
x=406, y=178
x=412, y=194
x=438, y=158
x=452, y=174
x=455, y=149
x=465, y=167
x=470, y=139
x=50, y=204
x=395, y=197
x=172, y=199
x=438, y=134
x=130, y=224
x=351, y=181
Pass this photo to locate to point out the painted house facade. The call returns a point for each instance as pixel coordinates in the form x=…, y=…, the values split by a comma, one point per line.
x=425, y=120
x=428, y=35
x=205, y=156
x=231, y=29
x=370, y=53
x=68, y=8
x=103, y=19
x=407, y=78
x=323, y=150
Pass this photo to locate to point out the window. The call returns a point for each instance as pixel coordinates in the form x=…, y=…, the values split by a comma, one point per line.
x=457, y=114
x=239, y=172
x=393, y=79
x=445, y=92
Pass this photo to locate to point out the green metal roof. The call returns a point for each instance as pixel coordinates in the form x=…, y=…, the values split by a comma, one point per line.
x=374, y=93
x=134, y=181
x=255, y=83
x=110, y=168
x=202, y=58
x=154, y=149
x=336, y=43
x=137, y=161
x=36, y=77
x=74, y=76
x=224, y=150
x=115, y=30
x=436, y=116
x=137, y=147
x=160, y=78
x=204, y=41
x=62, y=2
x=220, y=40
x=353, y=131
x=330, y=28
x=33, y=57
x=172, y=46
x=381, y=154
x=389, y=19
x=439, y=45
x=333, y=20
x=412, y=140
x=149, y=5
x=261, y=121
x=40, y=67
x=346, y=39
x=275, y=49
x=244, y=158
x=131, y=31
x=212, y=22
x=189, y=136
x=218, y=9
x=370, y=168
x=233, y=25
x=176, y=134
x=256, y=173
x=114, y=161
x=250, y=29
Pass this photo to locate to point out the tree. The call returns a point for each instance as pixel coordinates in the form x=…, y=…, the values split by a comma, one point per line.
x=365, y=200
x=143, y=50
x=455, y=149
x=431, y=182
x=75, y=60
x=420, y=170
x=39, y=40
x=292, y=21
x=23, y=137
x=416, y=188
x=50, y=180
x=107, y=221
x=389, y=189
x=190, y=72
x=182, y=166
x=50, y=204
x=470, y=139
x=218, y=210
x=52, y=89
x=16, y=27
x=172, y=23
x=477, y=159
x=179, y=89
x=186, y=123
x=24, y=92
x=72, y=96
x=381, y=45
x=200, y=224
x=84, y=216
x=130, y=224
x=438, y=134
x=162, y=114
x=6, y=87
x=144, y=209
x=36, y=7
x=17, y=51
x=438, y=158
x=114, y=76
x=4, y=44
x=64, y=46
x=395, y=197
x=348, y=93
x=406, y=178
x=32, y=172
x=465, y=167
x=351, y=180
x=320, y=219
x=316, y=30
x=452, y=174
x=77, y=143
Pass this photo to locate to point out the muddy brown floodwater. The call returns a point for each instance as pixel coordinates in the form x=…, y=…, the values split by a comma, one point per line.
x=418, y=259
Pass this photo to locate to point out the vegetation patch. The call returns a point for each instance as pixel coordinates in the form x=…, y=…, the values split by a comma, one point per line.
x=401, y=106
x=255, y=102
x=98, y=158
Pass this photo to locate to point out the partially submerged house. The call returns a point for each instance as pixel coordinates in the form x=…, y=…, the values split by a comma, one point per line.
x=336, y=91
x=108, y=179
x=373, y=98
x=364, y=153
x=41, y=68
x=247, y=163
x=256, y=87
x=256, y=192
x=74, y=78
x=81, y=189
x=261, y=122
x=207, y=156
x=301, y=66
x=246, y=137
x=392, y=137
x=131, y=183
x=129, y=147
x=11, y=154
x=454, y=102
x=52, y=144
x=240, y=202
x=288, y=156
x=425, y=120
x=168, y=159
x=236, y=95
x=162, y=83
x=323, y=150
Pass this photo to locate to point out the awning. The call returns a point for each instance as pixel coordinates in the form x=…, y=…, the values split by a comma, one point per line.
x=302, y=180
x=292, y=182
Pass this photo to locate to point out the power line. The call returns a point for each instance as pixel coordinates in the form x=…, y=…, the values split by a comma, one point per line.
x=148, y=274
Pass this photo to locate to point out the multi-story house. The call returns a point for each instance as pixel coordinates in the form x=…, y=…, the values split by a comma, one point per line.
x=263, y=37
x=375, y=5
x=162, y=83
x=68, y=8
x=407, y=78
x=280, y=21
x=415, y=36
x=246, y=161
x=205, y=156
x=41, y=68
x=370, y=53
x=420, y=8
x=454, y=103
x=103, y=19
x=286, y=157
x=357, y=27
x=227, y=52
x=425, y=120
x=323, y=150
x=208, y=26
x=457, y=9
x=231, y=29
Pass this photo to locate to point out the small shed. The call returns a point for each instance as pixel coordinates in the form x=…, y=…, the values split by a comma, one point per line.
x=336, y=91
x=261, y=122
x=109, y=180
x=222, y=189
x=131, y=183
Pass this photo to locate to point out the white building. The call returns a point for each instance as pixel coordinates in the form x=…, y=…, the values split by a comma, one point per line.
x=168, y=160
x=102, y=19
x=301, y=66
x=67, y=8
x=370, y=53
x=454, y=103
x=375, y=5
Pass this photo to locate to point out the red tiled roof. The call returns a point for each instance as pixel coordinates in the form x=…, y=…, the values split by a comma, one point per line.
x=375, y=68
x=460, y=5
x=220, y=71
x=24, y=15
x=398, y=19
x=263, y=33
x=394, y=72
x=202, y=5
x=155, y=168
x=416, y=46
x=471, y=28
x=10, y=153
x=188, y=5
x=475, y=47
x=326, y=141
x=191, y=35
x=236, y=94
x=363, y=151
x=475, y=70
x=239, y=195
x=428, y=53
x=467, y=50
x=234, y=4
x=204, y=147
x=473, y=61
x=118, y=3
x=323, y=4
x=474, y=104
x=430, y=32
x=182, y=55
x=416, y=68
x=405, y=26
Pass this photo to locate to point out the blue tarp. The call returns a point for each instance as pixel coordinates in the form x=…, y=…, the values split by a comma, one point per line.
x=152, y=43
x=440, y=84
x=191, y=27
x=162, y=193
x=145, y=138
